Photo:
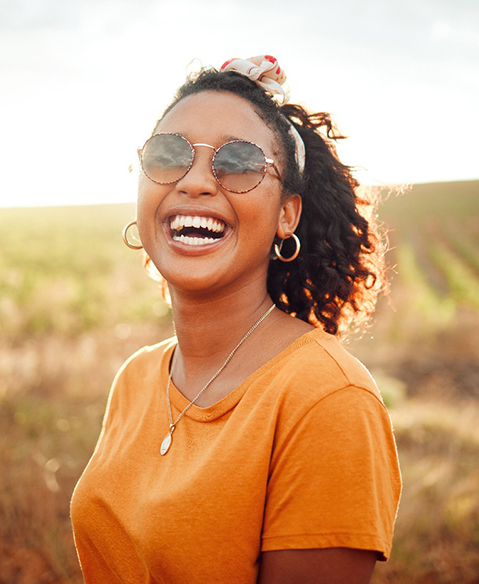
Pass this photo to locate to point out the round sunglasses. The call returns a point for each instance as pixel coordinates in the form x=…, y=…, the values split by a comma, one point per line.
x=237, y=166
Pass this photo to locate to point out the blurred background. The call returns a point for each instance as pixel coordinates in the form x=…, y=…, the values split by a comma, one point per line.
x=83, y=83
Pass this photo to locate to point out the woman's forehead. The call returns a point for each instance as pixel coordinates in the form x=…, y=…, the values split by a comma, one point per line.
x=216, y=115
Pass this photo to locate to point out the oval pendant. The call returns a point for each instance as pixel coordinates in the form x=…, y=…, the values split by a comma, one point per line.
x=165, y=445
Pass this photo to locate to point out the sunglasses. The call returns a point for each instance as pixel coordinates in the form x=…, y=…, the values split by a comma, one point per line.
x=237, y=166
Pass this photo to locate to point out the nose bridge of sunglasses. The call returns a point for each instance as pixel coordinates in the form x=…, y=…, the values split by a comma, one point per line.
x=202, y=160
x=202, y=144
x=205, y=155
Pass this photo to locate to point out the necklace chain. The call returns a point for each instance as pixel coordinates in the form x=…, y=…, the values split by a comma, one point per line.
x=165, y=445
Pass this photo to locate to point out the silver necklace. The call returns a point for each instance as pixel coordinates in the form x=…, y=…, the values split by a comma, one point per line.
x=165, y=445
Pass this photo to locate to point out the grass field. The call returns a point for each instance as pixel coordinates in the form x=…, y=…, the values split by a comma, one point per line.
x=75, y=302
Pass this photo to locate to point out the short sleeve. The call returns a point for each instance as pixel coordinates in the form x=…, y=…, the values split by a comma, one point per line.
x=334, y=478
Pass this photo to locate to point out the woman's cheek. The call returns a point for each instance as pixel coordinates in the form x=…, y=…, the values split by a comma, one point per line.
x=147, y=207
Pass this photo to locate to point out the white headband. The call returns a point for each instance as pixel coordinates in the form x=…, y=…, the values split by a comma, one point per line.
x=265, y=72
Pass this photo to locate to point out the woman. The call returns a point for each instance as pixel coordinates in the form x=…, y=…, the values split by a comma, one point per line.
x=251, y=447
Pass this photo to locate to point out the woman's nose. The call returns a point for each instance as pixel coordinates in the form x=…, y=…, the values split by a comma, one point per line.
x=199, y=180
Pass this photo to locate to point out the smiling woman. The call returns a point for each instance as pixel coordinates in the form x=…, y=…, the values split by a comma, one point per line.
x=251, y=447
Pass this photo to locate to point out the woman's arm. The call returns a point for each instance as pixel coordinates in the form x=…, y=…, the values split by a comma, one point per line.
x=317, y=566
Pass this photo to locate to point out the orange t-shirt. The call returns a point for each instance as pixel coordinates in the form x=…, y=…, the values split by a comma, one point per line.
x=300, y=455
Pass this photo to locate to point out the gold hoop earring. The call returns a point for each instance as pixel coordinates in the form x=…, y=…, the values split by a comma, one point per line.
x=125, y=236
x=278, y=248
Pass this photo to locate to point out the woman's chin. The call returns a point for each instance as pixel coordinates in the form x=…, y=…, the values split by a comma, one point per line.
x=191, y=274
x=209, y=279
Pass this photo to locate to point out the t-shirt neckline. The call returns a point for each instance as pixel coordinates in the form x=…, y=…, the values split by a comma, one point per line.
x=221, y=407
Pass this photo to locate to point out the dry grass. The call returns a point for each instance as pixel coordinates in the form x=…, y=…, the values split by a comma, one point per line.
x=437, y=531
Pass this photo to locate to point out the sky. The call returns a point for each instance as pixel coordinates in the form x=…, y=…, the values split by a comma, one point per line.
x=82, y=83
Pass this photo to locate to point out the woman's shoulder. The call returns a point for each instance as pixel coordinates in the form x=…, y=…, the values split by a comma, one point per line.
x=146, y=361
x=150, y=353
x=139, y=372
x=318, y=365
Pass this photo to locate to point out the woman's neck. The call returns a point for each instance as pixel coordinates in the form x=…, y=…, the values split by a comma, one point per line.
x=208, y=329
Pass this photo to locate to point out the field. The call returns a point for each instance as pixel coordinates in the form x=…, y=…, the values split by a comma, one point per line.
x=75, y=302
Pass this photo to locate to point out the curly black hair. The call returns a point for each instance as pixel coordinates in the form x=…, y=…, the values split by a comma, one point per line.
x=335, y=280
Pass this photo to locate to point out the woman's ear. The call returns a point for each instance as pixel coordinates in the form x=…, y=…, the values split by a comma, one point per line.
x=289, y=216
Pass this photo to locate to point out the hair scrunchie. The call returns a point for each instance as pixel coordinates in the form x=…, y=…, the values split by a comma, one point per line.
x=265, y=72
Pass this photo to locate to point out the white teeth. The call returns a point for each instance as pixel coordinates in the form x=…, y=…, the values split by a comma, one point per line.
x=180, y=221
x=194, y=240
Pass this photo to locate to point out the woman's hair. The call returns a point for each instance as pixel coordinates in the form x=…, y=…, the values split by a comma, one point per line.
x=335, y=280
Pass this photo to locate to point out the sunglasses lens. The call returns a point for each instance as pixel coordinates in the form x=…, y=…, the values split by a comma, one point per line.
x=239, y=166
x=166, y=158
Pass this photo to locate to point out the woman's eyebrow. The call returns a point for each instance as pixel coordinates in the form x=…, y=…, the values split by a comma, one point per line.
x=221, y=140
x=229, y=138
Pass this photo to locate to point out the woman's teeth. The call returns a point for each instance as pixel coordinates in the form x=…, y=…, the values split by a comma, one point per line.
x=179, y=221
x=194, y=230
x=194, y=240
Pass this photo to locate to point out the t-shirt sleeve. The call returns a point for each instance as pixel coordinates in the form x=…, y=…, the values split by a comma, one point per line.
x=334, y=478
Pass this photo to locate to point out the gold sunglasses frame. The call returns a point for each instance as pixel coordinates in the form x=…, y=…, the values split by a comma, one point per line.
x=269, y=162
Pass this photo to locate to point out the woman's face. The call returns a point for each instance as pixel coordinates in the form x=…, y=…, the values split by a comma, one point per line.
x=242, y=226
